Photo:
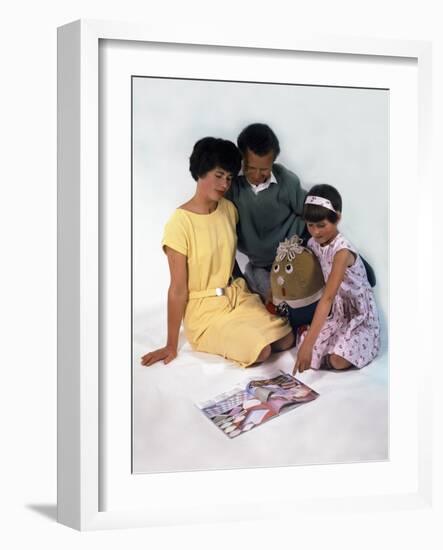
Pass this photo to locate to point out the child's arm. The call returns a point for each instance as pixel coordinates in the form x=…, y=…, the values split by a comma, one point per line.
x=177, y=298
x=342, y=260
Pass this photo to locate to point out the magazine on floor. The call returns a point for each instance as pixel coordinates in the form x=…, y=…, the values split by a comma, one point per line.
x=260, y=399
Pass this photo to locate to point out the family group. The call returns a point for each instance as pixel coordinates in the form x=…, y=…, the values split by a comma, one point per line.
x=245, y=200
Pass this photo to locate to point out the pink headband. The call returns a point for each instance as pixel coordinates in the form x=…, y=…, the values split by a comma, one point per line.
x=320, y=201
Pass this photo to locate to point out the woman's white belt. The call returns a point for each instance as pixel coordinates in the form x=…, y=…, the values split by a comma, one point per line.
x=219, y=291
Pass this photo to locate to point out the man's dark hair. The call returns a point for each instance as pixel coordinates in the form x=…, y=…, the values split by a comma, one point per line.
x=258, y=138
x=209, y=153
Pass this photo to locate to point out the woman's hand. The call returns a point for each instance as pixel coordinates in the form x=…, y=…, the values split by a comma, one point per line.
x=167, y=354
x=304, y=358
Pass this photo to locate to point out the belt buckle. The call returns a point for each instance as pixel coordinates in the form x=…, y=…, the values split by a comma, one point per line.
x=219, y=291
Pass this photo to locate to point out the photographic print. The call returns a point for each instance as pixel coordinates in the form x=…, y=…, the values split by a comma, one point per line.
x=333, y=136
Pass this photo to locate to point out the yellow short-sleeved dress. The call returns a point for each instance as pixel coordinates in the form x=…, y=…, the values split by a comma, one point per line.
x=236, y=325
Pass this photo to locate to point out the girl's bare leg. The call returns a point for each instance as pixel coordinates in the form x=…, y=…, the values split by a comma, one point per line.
x=338, y=362
x=284, y=343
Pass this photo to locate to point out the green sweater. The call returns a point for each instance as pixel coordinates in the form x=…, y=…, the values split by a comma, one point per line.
x=268, y=217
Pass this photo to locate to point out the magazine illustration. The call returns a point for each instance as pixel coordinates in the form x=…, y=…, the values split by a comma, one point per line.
x=246, y=407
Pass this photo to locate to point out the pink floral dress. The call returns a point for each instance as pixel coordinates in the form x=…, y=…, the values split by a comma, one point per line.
x=352, y=329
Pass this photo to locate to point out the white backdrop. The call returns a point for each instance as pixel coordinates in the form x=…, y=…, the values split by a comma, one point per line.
x=327, y=135
x=28, y=277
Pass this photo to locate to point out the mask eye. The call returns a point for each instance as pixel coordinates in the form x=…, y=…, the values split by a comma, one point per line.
x=289, y=268
x=276, y=268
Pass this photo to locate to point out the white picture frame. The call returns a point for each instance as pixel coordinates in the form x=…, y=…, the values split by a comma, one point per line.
x=79, y=368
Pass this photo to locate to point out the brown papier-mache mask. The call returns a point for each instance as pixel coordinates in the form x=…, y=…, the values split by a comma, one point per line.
x=296, y=275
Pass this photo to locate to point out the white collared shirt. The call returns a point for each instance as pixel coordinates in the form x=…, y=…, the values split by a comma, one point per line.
x=260, y=186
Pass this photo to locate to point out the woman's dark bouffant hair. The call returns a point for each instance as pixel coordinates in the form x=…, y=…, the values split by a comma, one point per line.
x=314, y=213
x=210, y=153
x=258, y=138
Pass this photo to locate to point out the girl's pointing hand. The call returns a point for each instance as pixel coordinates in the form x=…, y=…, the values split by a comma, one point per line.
x=304, y=358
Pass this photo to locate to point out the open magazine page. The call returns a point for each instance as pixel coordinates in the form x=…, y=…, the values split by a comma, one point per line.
x=243, y=408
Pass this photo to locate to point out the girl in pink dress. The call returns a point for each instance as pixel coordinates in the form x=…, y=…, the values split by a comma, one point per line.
x=345, y=328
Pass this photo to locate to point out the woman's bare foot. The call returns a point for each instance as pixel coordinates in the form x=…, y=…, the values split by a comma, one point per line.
x=284, y=343
x=264, y=354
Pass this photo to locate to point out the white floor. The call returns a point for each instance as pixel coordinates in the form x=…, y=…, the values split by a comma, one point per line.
x=348, y=422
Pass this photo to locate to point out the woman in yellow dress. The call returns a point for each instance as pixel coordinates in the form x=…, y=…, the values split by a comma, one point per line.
x=220, y=316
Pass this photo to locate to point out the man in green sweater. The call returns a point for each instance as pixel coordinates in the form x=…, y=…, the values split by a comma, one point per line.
x=269, y=200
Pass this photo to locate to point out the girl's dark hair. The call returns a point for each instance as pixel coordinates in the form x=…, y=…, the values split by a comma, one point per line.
x=315, y=213
x=260, y=139
x=209, y=153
